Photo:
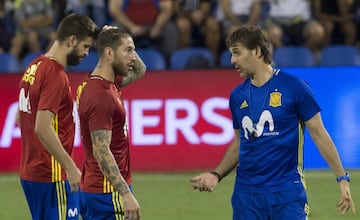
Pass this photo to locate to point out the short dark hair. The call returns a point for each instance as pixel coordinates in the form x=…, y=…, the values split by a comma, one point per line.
x=251, y=37
x=110, y=38
x=81, y=26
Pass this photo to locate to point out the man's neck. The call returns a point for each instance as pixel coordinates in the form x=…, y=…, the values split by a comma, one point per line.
x=58, y=53
x=104, y=71
x=263, y=74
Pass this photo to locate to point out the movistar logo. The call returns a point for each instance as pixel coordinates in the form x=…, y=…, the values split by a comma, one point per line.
x=249, y=126
x=73, y=212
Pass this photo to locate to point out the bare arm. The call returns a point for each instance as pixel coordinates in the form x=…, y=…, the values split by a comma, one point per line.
x=137, y=72
x=328, y=151
x=18, y=122
x=166, y=11
x=228, y=13
x=208, y=181
x=101, y=149
x=231, y=157
x=101, y=140
x=255, y=12
x=118, y=15
x=48, y=137
x=325, y=144
x=40, y=21
x=320, y=15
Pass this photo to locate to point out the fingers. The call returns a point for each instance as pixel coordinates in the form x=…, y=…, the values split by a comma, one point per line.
x=344, y=205
x=195, y=179
x=74, y=187
x=108, y=27
x=132, y=215
x=201, y=184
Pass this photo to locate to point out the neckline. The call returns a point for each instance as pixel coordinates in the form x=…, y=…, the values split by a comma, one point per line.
x=255, y=115
x=94, y=76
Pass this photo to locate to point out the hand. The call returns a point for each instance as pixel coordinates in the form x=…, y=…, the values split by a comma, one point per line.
x=74, y=176
x=204, y=182
x=155, y=32
x=108, y=27
x=131, y=206
x=346, y=201
x=137, y=30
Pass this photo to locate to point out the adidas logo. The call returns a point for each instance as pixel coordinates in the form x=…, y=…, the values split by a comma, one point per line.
x=244, y=104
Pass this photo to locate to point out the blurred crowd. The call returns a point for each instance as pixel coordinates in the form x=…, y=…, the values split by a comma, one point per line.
x=168, y=25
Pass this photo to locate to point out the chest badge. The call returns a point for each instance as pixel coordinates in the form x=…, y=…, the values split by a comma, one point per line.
x=275, y=99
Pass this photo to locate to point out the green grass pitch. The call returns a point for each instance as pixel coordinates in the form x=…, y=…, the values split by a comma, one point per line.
x=167, y=196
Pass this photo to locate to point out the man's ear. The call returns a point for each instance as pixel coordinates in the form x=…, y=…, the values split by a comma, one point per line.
x=108, y=52
x=258, y=51
x=72, y=41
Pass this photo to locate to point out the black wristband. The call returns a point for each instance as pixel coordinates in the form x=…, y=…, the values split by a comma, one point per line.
x=219, y=177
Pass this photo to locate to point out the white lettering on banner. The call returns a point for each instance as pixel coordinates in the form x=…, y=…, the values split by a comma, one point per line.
x=139, y=121
x=207, y=111
x=10, y=129
x=174, y=125
x=184, y=125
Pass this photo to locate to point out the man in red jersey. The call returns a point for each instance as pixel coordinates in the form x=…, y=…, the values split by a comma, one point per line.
x=48, y=174
x=105, y=189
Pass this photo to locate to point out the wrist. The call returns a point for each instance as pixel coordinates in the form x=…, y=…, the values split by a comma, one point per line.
x=218, y=176
x=344, y=177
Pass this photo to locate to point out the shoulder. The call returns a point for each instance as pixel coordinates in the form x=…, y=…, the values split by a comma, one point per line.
x=289, y=80
x=239, y=89
x=49, y=71
x=239, y=93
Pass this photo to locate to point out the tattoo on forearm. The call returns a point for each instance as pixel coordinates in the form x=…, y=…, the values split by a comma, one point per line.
x=101, y=140
x=139, y=67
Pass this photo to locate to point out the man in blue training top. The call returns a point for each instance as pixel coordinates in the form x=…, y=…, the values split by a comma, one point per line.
x=270, y=111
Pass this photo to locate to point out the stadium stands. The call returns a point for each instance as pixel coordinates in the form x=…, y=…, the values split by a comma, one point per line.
x=87, y=65
x=28, y=58
x=293, y=56
x=191, y=58
x=9, y=63
x=153, y=59
x=339, y=55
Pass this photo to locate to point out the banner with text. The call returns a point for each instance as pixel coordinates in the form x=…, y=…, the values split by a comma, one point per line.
x=180, y=120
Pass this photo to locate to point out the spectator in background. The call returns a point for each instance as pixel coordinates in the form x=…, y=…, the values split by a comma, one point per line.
x=337, y=18
x=6, y=27
x=95, y=9
x=34, y=20
x=59, y=7
x=197, y=25
x=148, y=22
x=290, y=23
x=234, y=13
x=356, y=11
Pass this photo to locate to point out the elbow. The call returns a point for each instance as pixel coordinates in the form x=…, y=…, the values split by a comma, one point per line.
x=40, y=130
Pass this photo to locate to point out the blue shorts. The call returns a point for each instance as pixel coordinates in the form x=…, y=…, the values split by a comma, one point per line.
x=51, y=201
x=99, y=206
x=270, y=206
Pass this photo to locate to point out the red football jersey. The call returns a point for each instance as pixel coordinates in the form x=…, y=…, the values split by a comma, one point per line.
x=100, y=106
x=142, y=12
x=44, y=86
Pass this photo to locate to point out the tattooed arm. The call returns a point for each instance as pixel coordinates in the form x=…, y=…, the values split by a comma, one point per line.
x=101, y=149
x=137, y=72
